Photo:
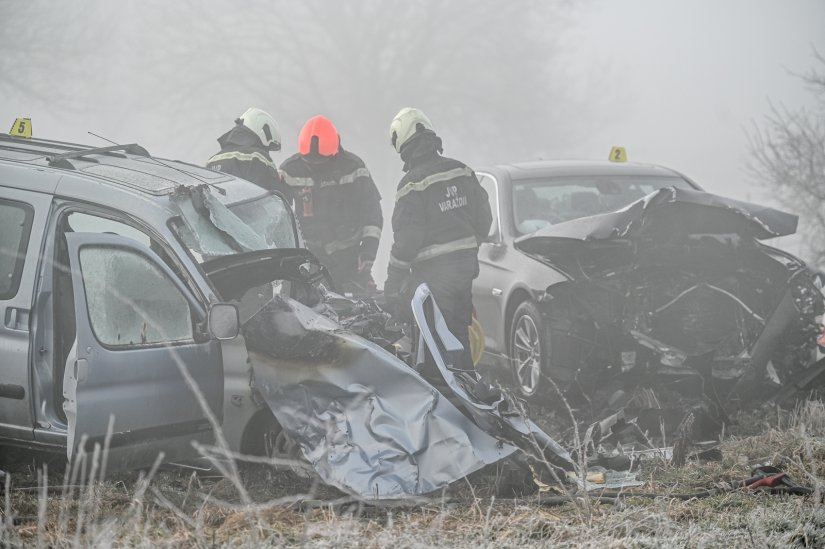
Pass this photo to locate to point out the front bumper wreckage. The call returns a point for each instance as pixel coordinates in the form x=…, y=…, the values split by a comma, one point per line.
x=366, y=422
x=676, y=291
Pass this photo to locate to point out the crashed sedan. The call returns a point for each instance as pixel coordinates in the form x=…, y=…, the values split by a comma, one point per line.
x=672, y=289
x=161, y=311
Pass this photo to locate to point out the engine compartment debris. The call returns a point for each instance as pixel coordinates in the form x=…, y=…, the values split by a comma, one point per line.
x=676, y=292
x=674, y=313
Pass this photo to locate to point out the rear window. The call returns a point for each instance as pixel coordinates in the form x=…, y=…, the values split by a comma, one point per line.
x=15, y=227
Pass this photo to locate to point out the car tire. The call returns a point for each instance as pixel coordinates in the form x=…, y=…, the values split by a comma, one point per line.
x=529, y=350
x=261, y=434
x=266, y=438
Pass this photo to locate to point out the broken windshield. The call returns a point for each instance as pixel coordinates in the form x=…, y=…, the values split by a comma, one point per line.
x=210, y=229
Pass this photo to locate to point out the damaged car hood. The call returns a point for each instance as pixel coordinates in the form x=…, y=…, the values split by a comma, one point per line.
x=234, y=275
x=663, y=214
x=367, y=423
x=677, y=289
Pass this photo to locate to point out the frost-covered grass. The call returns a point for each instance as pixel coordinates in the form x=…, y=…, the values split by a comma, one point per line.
x=181, y=509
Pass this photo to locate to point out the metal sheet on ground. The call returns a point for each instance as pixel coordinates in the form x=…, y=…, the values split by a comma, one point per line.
x=367, y=423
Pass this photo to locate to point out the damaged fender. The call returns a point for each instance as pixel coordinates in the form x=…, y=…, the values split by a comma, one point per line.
x=679, y=285
x=367, y=423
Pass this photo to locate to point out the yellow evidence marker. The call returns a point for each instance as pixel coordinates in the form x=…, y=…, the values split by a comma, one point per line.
x=22, y=127
x=617, y=154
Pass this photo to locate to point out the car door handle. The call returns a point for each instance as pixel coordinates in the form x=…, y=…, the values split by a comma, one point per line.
x=80, y=368
x=16, y=392
x=17, y=319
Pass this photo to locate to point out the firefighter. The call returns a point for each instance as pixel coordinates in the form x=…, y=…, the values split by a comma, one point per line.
x=441, y=214
x=337, y=204
x=245, y=150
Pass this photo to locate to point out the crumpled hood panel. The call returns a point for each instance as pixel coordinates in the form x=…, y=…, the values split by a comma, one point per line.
x=670, y=211
x=678, y=285
x=609, y=240
x=367, y=423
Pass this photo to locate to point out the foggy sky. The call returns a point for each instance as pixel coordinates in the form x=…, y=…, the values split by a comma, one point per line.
x=676, y=83
x=692, y=76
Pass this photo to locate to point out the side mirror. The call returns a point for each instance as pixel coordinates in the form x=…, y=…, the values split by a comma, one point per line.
x=224, y=322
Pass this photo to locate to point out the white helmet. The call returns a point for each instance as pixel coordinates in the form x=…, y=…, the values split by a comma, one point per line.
x=264, y=126
x=405, y=124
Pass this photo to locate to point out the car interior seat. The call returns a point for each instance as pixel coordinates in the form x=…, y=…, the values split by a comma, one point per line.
x=525, y=201
x=585, y=202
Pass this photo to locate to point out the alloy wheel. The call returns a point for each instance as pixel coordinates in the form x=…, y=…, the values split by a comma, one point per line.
x=526, y=354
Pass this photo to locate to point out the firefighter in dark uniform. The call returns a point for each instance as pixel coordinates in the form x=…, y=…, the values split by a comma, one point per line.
x=245, y=150
x=337, y=205
x=441, y=214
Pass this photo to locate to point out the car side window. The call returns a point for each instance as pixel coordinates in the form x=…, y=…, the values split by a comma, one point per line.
x=130, y=300
x=15, y=227
x=489, y=185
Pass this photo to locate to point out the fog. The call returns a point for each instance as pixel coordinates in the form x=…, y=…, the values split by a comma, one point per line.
x=676, y=83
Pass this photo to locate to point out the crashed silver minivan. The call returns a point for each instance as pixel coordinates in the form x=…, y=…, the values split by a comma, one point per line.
x=152, y=306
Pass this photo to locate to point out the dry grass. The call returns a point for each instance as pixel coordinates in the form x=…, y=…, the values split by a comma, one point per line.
x=177, y=508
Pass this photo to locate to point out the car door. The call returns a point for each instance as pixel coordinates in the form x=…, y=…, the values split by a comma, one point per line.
x=142, y=376
x=22, y=218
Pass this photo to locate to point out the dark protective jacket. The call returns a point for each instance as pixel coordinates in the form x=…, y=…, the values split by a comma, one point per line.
x=440, y=208
x=336, y=202
x=243, y=155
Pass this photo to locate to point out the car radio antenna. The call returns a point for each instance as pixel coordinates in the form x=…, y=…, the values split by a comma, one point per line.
x=205, y=182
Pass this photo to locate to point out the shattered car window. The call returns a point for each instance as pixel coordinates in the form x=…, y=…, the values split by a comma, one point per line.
x=210, y=229
x=130, y=301
x=543, y=202
x=268, y=217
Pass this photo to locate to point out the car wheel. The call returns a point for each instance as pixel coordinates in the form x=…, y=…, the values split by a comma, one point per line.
x=267, y=439
x=528, y=348
x=260, y=437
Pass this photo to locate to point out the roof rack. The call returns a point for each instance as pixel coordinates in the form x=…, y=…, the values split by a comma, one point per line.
x=65, y=151
x=62, y=160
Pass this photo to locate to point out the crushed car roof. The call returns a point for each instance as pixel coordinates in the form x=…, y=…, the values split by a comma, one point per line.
x=129, y=166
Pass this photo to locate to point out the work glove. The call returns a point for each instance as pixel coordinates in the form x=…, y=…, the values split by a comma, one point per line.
x=365, y=263
x=363, y=278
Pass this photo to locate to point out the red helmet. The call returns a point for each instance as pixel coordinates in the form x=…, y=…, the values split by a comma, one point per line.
x=319, y=138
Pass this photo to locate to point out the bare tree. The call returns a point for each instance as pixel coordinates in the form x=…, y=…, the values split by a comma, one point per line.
x=788, y=159
x=480, y=68
x=173, y=75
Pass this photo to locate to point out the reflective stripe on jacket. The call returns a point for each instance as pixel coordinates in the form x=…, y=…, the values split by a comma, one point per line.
x=242, y=155
x=336, y=203
x=440, y=208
